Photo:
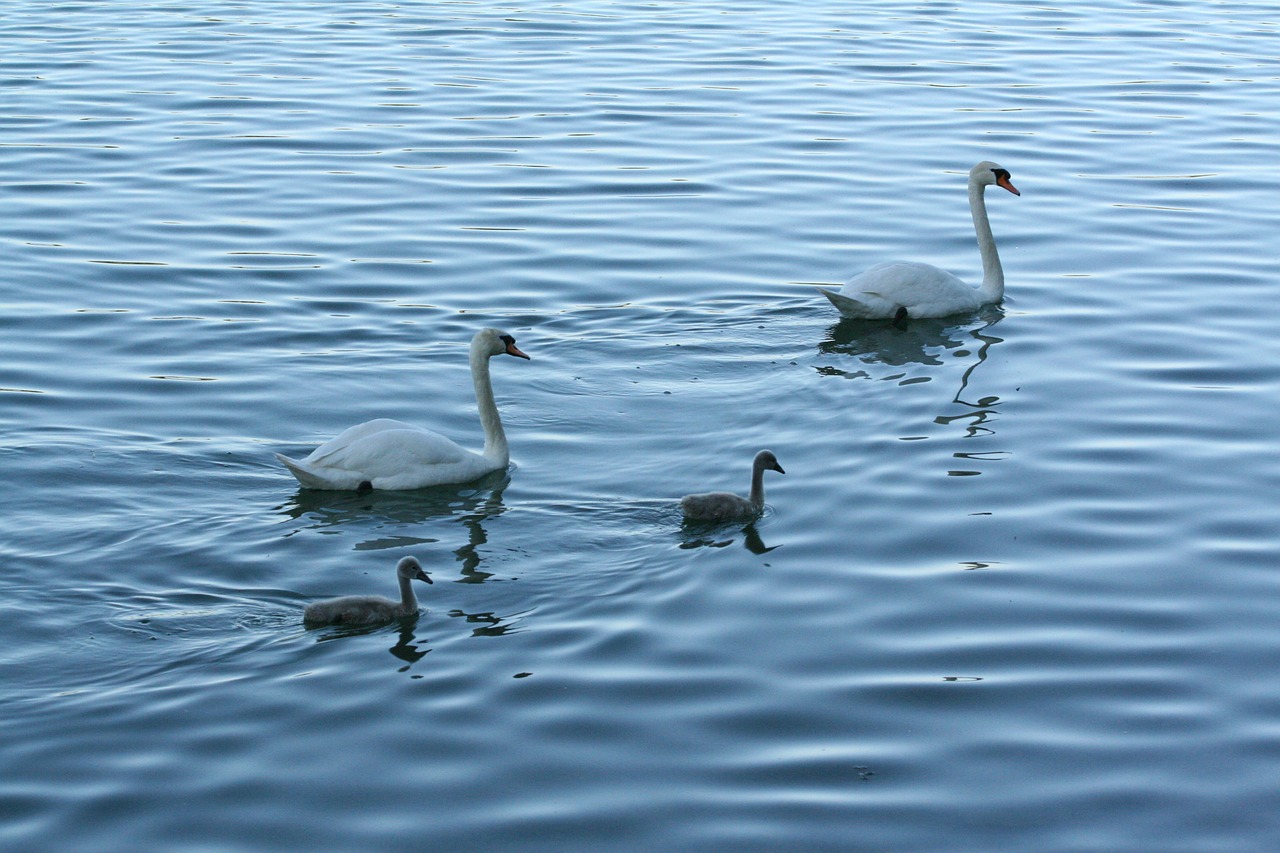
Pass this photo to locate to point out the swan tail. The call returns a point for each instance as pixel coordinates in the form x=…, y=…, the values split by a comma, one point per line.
x=847, y=306
x=309, y=479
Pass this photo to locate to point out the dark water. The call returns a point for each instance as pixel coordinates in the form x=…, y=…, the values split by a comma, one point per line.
x=1016, y=591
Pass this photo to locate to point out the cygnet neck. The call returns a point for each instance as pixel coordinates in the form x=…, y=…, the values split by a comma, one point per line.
x=757, y=484
x=407, y=598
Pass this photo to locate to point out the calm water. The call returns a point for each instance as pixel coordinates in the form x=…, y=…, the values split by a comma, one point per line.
x=1018, y=589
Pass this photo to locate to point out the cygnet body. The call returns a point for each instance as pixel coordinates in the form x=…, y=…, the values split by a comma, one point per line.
x=726, y=506
x=370, y=609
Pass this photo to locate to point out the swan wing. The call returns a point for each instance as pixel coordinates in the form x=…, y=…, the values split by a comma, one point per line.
x=923, y=289
x=390, y=452
x=351, y=435
x=391, y=458
x=852, y=307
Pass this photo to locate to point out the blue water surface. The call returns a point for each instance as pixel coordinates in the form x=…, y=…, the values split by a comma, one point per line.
x=1016, y=591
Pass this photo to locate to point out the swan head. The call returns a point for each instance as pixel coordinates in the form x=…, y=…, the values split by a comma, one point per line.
x=987, y=173
x=493, y=342
x=410, y=568
x=766, y=461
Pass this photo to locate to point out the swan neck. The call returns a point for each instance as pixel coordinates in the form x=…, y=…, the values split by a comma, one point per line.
x=992, y=288
x=757, y=486
x=495, y=440
x=407, y=599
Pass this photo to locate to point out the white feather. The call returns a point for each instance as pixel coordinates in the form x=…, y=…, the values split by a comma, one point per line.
x=924, y=290
x=390, y=454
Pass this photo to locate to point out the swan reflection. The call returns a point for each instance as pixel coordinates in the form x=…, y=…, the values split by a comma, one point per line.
x=323, y=509
x=490, y=624
x=410, y=648
x=469, y=554
x=702, y=535
x=926, y=348
x=921, y=342
x=407, y=646
x=396, y=520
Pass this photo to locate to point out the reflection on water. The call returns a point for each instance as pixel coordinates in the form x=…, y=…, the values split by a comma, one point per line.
x=469, y=554
x=694, y=535
x=981, y=412
x=470, y=505
x=490, y=624
x=918, y=342
x=921, y=343
x=406, y=647
x=323, y=509
x=334, y=632
x=293, y=166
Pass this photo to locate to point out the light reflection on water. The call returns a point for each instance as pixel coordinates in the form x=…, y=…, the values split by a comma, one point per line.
x=1017, y=580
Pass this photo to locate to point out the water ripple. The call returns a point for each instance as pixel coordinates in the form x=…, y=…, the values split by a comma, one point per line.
x=1014, y=591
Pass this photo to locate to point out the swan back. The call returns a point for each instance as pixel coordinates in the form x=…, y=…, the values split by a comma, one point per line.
x=370, y=609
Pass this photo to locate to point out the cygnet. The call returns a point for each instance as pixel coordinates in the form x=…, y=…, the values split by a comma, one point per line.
x=726, y=506
x=370, y=609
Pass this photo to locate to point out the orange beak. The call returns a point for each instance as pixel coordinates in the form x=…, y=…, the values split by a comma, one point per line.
x=1005, y=183
x=513, y=350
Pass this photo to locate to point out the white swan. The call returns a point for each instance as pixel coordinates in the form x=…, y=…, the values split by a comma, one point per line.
x=388, y=454
x=902, y=289
x=726, y=506
x=370, y=609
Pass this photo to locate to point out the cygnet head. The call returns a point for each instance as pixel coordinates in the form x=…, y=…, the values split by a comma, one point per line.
x=410, y=568
x=987, y=173
x=766, y=461
x=493, y=342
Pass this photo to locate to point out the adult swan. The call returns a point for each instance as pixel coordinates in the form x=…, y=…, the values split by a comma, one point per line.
x=903, y=289
x=387, y=454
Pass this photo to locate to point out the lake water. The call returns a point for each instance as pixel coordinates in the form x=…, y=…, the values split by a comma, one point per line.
x=1017, y=589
